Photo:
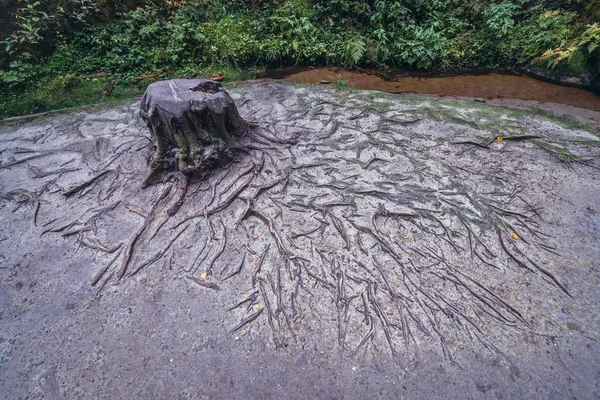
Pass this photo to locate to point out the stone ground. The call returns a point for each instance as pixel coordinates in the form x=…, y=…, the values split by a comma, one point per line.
x=357, y=244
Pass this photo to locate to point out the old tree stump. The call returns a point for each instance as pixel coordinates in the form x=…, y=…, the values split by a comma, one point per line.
x=192, y=122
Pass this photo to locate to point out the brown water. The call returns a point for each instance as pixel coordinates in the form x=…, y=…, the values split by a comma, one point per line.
x=488, y=86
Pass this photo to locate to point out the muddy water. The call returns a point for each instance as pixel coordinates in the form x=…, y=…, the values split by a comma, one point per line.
x=489, y=86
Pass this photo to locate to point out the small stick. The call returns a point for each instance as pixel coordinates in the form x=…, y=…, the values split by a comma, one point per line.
x=289, y=325
x=22, y=160
x=485, y=146
x=519, y=262
x=307, y=165
x=221, y=249
x=369, y=335
x=521, y=137
x=320, y=280
x=107, y=249
x=259, y=265
x=35, y=214
x=272, y=230
x=76, y=231
x=361, y=246
x=158, y=254
x=249, y=168
x=382, y=319
x=372, y=160
x=85, y=184
x=508, y=211
x=246, y=320
x=100, y=273
x=202, y=282
x=269, y=313
x=548, y=274
x=38, y=173
x=297, y=235
x=340, y=228
x=245, y=213
x=278, y=292
x=284, y=177
x=229, y=200
x=250, y=299
x=239, y=269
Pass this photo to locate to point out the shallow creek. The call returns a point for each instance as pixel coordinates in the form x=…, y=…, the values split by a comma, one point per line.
x=499, y=89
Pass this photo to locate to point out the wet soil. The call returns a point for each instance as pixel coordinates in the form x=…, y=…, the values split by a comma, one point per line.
x=359, y=244
x=517, y=91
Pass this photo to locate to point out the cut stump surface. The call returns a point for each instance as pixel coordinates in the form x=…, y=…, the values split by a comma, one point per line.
x=192, y=122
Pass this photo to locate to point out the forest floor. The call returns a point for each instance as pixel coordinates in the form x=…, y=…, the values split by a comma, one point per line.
x=359, y=244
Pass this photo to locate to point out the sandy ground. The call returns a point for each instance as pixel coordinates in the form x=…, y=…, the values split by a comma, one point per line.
x=363, y=245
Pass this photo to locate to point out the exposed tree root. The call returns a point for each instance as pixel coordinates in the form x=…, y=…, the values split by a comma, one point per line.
x=133, y=240
x=382, y=231
x=71, y=191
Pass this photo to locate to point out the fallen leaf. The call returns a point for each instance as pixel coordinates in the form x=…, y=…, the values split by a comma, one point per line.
x=500, y=139
x=203, y=275
x=515, y=236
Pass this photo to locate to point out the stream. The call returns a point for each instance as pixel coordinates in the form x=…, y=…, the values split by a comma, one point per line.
x=519, y=91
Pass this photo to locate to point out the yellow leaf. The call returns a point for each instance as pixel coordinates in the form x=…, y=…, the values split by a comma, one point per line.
x=515, y=236
x=257, y=306
x=500, y=139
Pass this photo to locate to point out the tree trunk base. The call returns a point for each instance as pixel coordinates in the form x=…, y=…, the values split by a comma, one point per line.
x=192, y=121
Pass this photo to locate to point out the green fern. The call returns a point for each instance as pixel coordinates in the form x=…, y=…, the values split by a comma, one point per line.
x=355, y=50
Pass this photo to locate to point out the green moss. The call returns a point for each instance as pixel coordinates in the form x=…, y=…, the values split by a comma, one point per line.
x=575, y=65
x=565, y=122
x=562, y=153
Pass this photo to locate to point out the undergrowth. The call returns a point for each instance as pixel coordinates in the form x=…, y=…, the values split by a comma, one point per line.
x=46, y=61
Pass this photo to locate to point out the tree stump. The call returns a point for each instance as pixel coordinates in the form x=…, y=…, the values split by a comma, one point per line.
x=192, y=122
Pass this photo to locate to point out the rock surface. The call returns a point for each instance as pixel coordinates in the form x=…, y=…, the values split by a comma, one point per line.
x=362, y=245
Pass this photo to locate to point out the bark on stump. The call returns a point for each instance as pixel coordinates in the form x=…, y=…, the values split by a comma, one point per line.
x=192, y=122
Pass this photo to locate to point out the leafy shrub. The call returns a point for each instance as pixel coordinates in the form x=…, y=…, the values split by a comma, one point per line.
x=31, y=25
x=189, y=35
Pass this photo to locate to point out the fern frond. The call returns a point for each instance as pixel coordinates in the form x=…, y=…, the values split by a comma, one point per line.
x=355, y=50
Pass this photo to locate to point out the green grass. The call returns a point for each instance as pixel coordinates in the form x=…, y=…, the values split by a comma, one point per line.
x=232, y=74
x=61, y=93
x=67, y=92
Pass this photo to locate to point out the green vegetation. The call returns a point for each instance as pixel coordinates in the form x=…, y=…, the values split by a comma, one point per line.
x=49, y=59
